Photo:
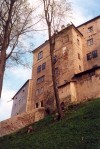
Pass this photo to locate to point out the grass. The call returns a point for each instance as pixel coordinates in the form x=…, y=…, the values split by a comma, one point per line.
x=80, y=129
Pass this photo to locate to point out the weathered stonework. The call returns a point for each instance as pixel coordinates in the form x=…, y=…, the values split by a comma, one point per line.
x=17, y=122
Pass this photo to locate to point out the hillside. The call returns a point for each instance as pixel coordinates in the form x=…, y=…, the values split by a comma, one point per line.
x=80, y=129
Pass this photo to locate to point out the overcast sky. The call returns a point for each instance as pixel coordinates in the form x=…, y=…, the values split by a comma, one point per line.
x=83, y=10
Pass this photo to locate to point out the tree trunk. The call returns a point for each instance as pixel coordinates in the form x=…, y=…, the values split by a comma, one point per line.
x=52, y=47
x=2, y=69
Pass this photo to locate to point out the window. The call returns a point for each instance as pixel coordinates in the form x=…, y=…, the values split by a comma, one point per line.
x=40, y=55
x=78, y=42
x=41, y=79
x=90, y=42
x=39, y=69
x=89, y=56
x=79, y=56
x=94, y=54
x=90, y=29
x=54, y=59
x=39, y=91
x=43, y=66
x=37, y=105
x=41, y=103
x=19, y=101
x=56, y=71
x=80, y=68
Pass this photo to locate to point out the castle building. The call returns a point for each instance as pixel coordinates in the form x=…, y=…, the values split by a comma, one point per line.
x=21, y=100
x=77, y=67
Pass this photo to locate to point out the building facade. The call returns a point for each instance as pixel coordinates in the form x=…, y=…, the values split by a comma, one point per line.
x=77, y=67
x=21, y=100
x=77, y=49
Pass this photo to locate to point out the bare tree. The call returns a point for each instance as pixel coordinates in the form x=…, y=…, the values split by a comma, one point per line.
x=15, y=22
x=55, y=12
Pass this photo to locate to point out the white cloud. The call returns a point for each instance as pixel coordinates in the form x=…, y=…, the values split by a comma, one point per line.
x=6, y=104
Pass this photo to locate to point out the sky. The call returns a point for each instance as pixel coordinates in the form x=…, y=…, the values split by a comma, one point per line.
x=15, y=77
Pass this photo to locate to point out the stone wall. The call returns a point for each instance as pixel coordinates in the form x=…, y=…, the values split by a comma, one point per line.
x=85, y=86
x=88, y=86
x=17, y=122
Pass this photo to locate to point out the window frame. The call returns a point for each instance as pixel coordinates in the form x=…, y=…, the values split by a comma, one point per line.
x=41, y=103
x=89, y=56
x=40, y=55
x=90, y=42
x=80, y=68
x=41, y=79
x=39, y=69
x=90, y=29
x=44, y=66
x=79, y=56
x=36, y=105
x=94, y=54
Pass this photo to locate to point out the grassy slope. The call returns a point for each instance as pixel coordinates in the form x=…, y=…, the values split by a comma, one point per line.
x=80, y=129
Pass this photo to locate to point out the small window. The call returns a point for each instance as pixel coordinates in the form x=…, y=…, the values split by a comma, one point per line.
x=19, y=101
x=80, y=68
x=56, y=71
x=94, y=54
x=39, y=69
x=79, y=56
x=89, y=56
x=39, y=91
x=41, y=79
x=41, y=103
x=40, y=55
x=90, y=29
x=37, y=105
x=43, y=66
x=54, y=59
x=78, y=42
x=90, y=42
